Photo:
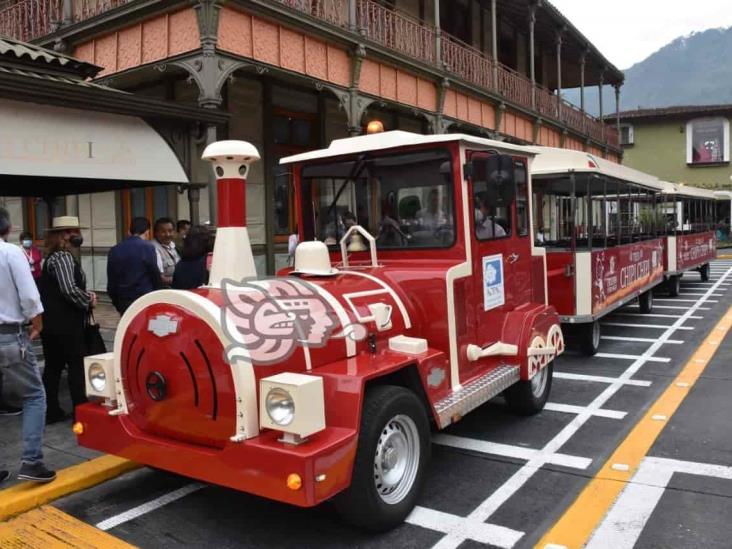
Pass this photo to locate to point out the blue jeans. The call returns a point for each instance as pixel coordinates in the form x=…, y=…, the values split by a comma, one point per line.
x=22, y=386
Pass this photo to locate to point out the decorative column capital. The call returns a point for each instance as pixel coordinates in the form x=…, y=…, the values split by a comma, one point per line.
x=207, y=16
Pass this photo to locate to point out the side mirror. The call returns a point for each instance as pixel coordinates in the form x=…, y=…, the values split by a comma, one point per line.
x=498, y=172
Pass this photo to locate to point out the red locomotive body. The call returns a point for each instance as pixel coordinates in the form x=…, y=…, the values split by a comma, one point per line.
x=416, y=295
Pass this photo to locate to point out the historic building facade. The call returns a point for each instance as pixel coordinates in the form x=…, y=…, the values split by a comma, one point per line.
x=295, y=74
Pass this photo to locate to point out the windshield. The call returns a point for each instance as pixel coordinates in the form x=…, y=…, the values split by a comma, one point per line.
x=403, y=200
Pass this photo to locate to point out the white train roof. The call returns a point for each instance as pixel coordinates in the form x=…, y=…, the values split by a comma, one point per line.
x=553, y=161
x=398, y=138
x=681, y=189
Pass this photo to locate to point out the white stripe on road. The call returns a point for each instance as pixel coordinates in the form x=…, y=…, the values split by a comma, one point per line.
x=150, y=506
x=628, y=516
x=656, y=316
x=697, y=294
x=489, y=534
x=571, y=409
x=676, y=299
x=631, y=357
x=641, y=339
x=680, y=308
x=509, y=450
x=601, y=379
x=655, y=326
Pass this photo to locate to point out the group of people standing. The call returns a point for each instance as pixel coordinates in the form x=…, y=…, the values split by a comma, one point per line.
x=49, y=298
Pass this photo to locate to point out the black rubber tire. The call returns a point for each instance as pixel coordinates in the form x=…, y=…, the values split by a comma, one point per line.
x=673, y=284
x=588, y=337
x=645, y=302
x=704, y=272
x=360, y=504
x=521, y=399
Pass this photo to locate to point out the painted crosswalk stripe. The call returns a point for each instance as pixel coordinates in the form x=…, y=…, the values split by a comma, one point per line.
x=601, y=379
x=653, y=326
x=572, y=409
x=642, y=315
x=632, y=357
x=641, y=339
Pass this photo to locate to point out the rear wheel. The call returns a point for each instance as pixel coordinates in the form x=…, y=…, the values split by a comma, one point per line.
x=588, y=336
x=704, y=272
x=674, y=285
x=645, y=302
x=392, y=454
x=527, y=398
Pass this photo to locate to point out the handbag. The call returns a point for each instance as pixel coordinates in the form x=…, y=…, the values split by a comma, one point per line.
x=93, y=337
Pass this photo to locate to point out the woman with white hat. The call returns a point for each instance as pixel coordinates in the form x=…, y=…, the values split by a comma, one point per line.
x=66, y=304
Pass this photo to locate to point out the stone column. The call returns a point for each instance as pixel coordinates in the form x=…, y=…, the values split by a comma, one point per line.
x=494, y=40
x=438, y=35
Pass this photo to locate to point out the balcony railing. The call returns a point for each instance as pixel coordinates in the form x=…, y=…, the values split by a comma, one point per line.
x=31, y=19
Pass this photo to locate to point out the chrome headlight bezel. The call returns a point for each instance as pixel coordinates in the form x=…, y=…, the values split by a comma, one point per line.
x=280, y=406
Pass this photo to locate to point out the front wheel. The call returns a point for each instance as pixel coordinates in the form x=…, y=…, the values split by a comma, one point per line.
x=674, y=285
x=392, y=454
x=527, y=398
x=589, y=338
x=704, y=272
x=645, y=302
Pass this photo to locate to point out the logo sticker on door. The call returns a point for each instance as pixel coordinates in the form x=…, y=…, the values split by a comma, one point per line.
x=493, y=292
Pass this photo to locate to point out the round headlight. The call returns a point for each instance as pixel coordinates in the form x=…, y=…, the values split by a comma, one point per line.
x=97, y=378
x=280, y=406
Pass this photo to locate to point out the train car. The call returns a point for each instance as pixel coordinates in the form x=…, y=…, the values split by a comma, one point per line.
x=723, y=214
x=604, y=238
x=691, y=241
x=417, y=294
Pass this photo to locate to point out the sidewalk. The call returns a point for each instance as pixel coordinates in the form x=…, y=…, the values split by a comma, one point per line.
x=59, y=446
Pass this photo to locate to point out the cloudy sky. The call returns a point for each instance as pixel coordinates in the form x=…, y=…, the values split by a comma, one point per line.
x=628, y=31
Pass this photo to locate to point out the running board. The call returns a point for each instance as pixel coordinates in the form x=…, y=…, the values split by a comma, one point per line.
x=453, y=407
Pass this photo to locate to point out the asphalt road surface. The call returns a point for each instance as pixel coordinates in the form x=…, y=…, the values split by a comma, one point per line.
x=497, y=480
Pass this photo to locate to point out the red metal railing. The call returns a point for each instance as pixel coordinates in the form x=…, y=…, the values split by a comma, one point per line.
x=334, y=12
x=468, y=63
x=29, y=19
x=396, y=30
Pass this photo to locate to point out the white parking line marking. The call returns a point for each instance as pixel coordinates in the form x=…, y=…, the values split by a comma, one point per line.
x=641, y=339
x=571, y=409
x=657, y=316
x=627, y=518
x=655, y=326
x=601, y=379
x=631, y=357
x=509, y=450
x=150, y=506
x=490, y=534
x=676, y=299
x=697, y=294
x=680, y=308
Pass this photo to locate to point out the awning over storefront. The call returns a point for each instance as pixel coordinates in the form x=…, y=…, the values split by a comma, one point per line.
x=49, y=150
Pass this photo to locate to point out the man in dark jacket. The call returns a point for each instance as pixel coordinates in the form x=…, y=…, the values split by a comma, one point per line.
x=132, y=267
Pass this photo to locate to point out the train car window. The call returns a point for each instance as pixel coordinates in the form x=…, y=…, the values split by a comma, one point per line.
x=404, y=200
x=494, y=192
x=522, y=198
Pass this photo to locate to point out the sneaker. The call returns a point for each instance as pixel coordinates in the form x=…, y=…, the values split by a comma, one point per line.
x=4, y=475
x=8, y=411
x=36, y=472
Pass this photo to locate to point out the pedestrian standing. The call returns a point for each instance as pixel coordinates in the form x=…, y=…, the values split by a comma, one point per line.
x=132, y=267
x=191, y=271
x=32, y=254
x=67, y=305
x=20, y=304
x=168, y=257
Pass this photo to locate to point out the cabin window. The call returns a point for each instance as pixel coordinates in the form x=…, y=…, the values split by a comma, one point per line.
x=403, y=201
x=707, y=141
x=522, y=199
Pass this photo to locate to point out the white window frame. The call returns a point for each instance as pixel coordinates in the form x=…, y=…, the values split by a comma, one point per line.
x=631, y=134
x=690, y=139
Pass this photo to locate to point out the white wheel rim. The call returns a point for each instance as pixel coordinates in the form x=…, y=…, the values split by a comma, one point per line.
x=538, y=382
x=396, y=460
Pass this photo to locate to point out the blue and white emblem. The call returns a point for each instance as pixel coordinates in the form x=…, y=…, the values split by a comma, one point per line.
x=493, y=290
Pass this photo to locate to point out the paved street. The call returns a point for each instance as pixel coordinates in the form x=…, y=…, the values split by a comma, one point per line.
x=498, y=480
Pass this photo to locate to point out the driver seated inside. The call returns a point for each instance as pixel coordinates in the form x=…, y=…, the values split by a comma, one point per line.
x=485, y=224
x=433, y=217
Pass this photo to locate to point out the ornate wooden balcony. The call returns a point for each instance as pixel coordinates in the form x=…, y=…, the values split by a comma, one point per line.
x=32, y=19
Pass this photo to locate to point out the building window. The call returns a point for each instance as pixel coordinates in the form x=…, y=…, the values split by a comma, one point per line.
x=626, y=134
x=149, y=202
x=39, y=214
x=707, y=141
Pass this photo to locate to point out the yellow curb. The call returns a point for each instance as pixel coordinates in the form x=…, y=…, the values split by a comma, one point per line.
x=575, y=527
x=49, y=528
x=29, y=495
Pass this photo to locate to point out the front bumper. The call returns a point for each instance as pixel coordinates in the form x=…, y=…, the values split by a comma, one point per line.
x=258, y=466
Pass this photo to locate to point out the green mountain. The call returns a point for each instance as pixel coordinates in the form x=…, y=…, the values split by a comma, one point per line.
x=691, y=70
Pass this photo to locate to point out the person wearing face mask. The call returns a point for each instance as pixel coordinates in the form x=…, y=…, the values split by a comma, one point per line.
x=32, y=254
x=66, y=304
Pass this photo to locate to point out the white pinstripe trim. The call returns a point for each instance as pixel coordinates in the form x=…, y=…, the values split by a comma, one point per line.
x=390, y=290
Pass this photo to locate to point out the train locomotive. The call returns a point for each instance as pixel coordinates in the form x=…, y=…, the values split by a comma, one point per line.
x=416, y=295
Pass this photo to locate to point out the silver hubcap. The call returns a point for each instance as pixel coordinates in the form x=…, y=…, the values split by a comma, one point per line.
x=397, y=459
x=538, y=382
